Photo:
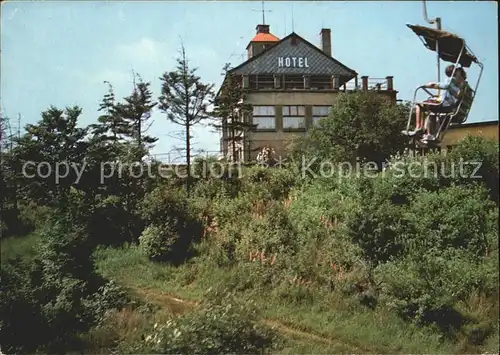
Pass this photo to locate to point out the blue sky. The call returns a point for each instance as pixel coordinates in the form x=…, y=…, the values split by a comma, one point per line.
x=59, y=53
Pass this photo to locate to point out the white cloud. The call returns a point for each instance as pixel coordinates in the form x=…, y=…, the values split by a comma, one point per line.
x=145, y=51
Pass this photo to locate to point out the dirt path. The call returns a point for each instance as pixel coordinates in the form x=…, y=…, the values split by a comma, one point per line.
x=177, y=305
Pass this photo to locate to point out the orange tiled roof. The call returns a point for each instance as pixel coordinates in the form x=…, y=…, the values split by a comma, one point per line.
x=265, y=37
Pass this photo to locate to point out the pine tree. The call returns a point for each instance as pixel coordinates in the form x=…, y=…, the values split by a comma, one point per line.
x=135, y=112
x=111, y=124
x=232, y=110
x=185, y=101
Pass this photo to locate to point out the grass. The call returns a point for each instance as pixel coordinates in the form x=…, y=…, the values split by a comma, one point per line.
x=312, y=322
x=347, y=328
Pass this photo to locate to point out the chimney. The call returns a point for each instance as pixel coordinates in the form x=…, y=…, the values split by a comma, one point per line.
x=364, y=83
x=390, y=83
x=326, y=41
x=262, y=29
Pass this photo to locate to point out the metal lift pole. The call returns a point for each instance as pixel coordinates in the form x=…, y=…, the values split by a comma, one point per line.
x=437, y=22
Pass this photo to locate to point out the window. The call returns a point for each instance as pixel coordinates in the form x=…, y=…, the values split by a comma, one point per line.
x=320, y=112
x=294, y=81
x=321, y=82
x=264, y=117
x=294, y=117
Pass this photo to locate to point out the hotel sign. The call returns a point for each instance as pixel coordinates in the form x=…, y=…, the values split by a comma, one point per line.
x=293, y=62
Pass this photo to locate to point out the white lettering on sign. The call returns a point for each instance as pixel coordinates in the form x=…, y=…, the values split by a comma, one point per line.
x=293, y=62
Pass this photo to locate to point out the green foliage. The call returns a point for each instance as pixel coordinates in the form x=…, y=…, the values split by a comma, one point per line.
x=446, y=240
x=221, y=326
x=185, y=99
x=268, y=183
x=273, y=233
x=481, y=163
x=417, y=238
x=212, y=189
x=55, y=139
x=361, y=125
x=20, y=314
x=106, y=222
x=56, y=296
x=171, y=226
x=34, y=216
x=454, y=217
x=160, y=243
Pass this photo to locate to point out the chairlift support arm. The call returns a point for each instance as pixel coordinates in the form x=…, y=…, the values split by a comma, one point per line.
x=437, y=22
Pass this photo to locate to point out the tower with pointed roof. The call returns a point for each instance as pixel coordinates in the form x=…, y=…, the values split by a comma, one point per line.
x=263, y=39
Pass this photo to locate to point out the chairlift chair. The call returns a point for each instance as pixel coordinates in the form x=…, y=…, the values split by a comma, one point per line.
x=450, y=48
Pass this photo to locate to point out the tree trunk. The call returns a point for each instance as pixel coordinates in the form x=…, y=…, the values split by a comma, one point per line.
x=188, y=158
x=234, y=141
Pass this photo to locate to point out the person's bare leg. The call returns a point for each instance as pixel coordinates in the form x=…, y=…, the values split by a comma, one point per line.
x=418, y=112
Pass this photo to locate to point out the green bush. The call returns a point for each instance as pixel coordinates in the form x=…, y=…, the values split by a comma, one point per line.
x=268, y=183
x=57, y=296
x=427, y=289
x=213, y=188
x=377, y=224
x=220, y=326
x=162, y=203
x=33, y=215
x=272, y=232
x=455, y=217
x=480, y=163
x=23, y=219
x=159, y=242
x=446, y=241
x=172, y=227
x=20, y=313
x=110, y=223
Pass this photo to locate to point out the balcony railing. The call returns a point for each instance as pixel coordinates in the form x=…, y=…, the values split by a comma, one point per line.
x=300, y=82
x=370, y=84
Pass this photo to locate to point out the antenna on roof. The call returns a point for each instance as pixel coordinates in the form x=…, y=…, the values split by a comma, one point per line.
x=263, y=13
x=293, y=23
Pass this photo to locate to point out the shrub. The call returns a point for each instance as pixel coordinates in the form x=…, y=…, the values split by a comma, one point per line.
x=172, y=226
x=427, y=289
x=446, y=239
x=268, y=183
x=221, y=326
x=481, y=163
x=159, y=242
x=376, y=225
x=22, y=219
x=216, y=188
x=163, y=203
x=272, y=232
x=20, y=313
x=108, y=297
x=34, y=216
x=454, y=217
x=111, y=224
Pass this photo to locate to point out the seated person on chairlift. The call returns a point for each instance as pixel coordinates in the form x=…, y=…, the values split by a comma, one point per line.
x=446, y=103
